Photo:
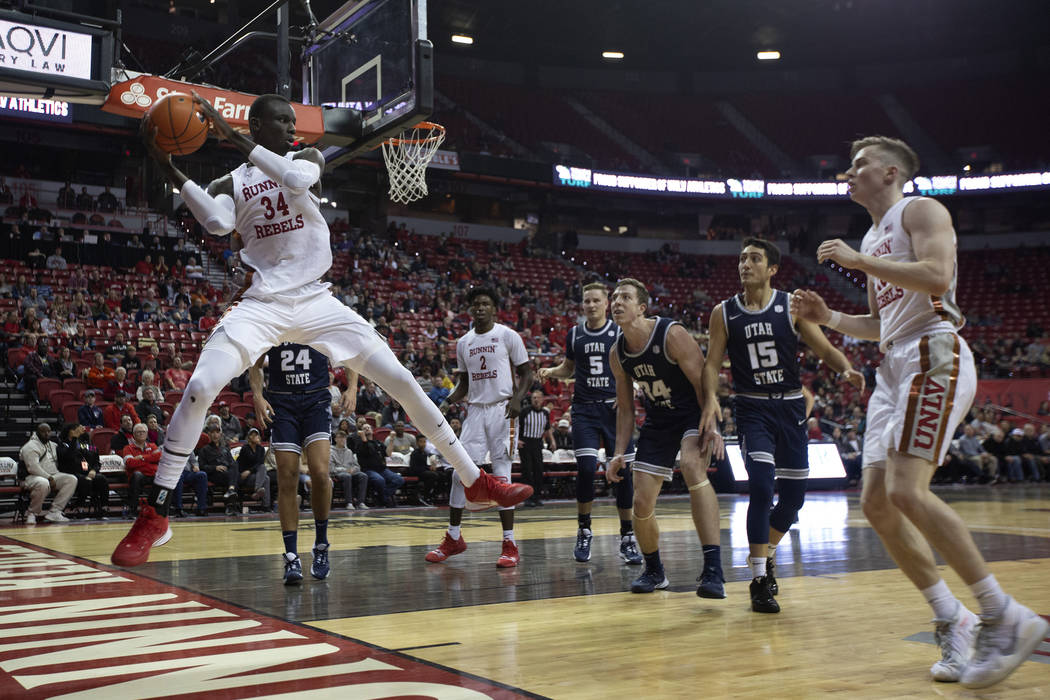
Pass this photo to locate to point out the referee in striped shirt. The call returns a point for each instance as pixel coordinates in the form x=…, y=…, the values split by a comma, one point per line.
x=534, y=429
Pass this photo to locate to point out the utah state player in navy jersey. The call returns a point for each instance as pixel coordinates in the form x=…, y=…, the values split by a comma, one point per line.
x=660, y=357
x=762, y=338
x=298, y=405
x=587, y=352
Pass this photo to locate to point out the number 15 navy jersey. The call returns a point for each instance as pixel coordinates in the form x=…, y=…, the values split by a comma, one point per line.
x=763, y=346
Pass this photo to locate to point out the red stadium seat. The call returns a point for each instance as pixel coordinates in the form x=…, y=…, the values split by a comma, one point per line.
x=44, y=387
x=69, y=411
x=60, y=398
x=100, y=438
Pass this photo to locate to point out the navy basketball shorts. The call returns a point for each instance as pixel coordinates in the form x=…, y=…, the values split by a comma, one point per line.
x=773, y=432
x=660, y=440
x=594, y=427
x=300, y=419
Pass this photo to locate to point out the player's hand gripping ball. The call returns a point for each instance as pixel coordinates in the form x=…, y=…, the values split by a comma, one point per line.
x=180, y=128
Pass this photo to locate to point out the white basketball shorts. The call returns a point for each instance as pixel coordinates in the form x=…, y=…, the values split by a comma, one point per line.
x=309, y=315
x=924, y=387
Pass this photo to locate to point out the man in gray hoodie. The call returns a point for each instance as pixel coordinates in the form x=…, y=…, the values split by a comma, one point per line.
x=41, y=459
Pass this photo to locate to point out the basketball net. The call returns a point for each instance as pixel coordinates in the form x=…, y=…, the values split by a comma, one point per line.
x=407, y=157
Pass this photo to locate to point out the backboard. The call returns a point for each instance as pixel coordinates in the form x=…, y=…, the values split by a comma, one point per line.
x=371, y=66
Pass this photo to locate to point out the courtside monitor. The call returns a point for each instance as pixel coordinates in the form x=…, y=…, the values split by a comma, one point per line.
x=371, y=66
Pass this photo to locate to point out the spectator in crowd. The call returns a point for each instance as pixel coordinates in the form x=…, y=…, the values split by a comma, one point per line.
x=813, y=431
x=98, y=375
x=56, y=261
x=231, y=424
x=345, y=470
x=156, y=430
x=67, y=196
x=107, y=201
x=148, y=406
x=123, y=437
x=192, y=270
x=1014, y=451
x=176, y=376
x=394, y=413
x=399, y=441
x=973, y=453
x=89, y=415
x=181, y=313
x=192, y=478
x=114, y=413
x=1032, y=455
x=40, y=456
x=251, y=463
x=85, y=202
x=369, y=398
x=64, y=366
x=117, y=384
x=439, y=391
x=35, y=259
x=423, y=464
x=140, y=462
x=850, y=447
x=216, y=460
x=118, y=348
x=75, y=458
x=563, y=435
x=38, y=365
x=130, y=361
x=371, y=455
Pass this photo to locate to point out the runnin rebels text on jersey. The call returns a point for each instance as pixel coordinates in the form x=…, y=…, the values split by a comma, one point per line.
x=762, y=345
x=664, y=386
x=489, y=360
x=286, y=240
x=589, y=350
x=296, y=369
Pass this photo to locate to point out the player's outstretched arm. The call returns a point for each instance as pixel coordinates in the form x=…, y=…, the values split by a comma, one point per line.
x=929, y=224
x=562, y=371
x=810, y=306
x=624, y=418
x=832, y=356
x=683, y=349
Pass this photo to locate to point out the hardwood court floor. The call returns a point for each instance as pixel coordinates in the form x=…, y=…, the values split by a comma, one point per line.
x=552, y=627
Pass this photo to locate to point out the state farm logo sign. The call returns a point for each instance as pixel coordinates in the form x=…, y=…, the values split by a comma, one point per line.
x=136, y=95
x=45, y=50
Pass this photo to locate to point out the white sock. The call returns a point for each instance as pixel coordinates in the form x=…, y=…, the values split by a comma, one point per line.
x=758, y=567
x=990, y=597
x=944, y=604
x=453, y=531
x=508, y=535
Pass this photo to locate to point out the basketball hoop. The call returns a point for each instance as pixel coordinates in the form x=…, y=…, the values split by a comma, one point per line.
x=407, y=157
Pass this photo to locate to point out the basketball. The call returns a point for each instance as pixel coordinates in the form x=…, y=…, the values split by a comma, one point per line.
x=180, y=128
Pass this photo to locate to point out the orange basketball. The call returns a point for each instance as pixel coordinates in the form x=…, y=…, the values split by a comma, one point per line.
x=180, y=128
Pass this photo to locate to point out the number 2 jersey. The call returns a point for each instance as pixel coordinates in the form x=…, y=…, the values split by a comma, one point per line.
x=667, y=392
x=286, y=240
x=589, y=350
x=489, y=360
x=762, y=345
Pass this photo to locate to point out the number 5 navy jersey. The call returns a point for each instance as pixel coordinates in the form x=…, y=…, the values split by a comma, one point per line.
x=762, y=345
x=295, y=369
x=590, y=351
x=665, y=388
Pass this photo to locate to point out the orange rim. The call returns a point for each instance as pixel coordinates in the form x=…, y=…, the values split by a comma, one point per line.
x=436, y=129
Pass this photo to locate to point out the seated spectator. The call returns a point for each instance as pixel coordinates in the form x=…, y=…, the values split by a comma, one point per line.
x=75, y=457
x=193, y=478
x=35, y=259
x=192, y=270
x=67, y=196
x=38, y=365
x=973, y=453
x=148, y=406
x=345, y=469
x=393, y=413
x=1014, y=447
x=1032, y=455
x=399, y=441
x=114, y=413
x=147, y=312
x=119, y=383
x=98, y=376
x=371, y=455
x=118, y=348
x=813, y=432
x=231, y=424
x=177, y=375
x=251, y=463
x=130, y=361
x=40, y=456
x=369, y=398
x=423, y=464
x=208, y=320
x=215, y=459
x=56, y=261
x=118, y=442
x=140, y=462
x=181, y=313
x=89, y=415
x=562, y=435
x=148, y=380
x=161, y=269
x=850, y=448
x=156, y=430
x=107, y=201
x=438, y=391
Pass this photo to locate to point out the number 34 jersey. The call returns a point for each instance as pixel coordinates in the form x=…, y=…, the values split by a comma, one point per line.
x=763, y=346
x=665, y=388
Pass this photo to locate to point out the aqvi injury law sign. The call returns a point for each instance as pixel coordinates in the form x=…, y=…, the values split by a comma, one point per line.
x=47, y=50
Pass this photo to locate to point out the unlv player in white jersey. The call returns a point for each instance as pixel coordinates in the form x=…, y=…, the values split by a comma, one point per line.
x=925, y=385
x=494, y=375
x=272, y=201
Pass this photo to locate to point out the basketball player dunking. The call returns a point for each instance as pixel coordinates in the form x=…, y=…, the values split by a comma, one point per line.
x=587, y=351
x=272, y=201
x=925, y=385
x=660, y=357
x=494, y=375
x=762, y=337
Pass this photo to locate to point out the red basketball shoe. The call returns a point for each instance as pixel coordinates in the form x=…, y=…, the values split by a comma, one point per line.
x=150, y=529
x=510, y=556
x=448, y=548
x=489, y=489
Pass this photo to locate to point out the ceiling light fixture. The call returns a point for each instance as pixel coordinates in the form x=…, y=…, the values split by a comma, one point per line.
x=462, y=39
x=613, y=55
x=768, y=55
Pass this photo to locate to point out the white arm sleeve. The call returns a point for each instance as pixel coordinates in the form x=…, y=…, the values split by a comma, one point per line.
x=297, y=174
x=217, y=214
